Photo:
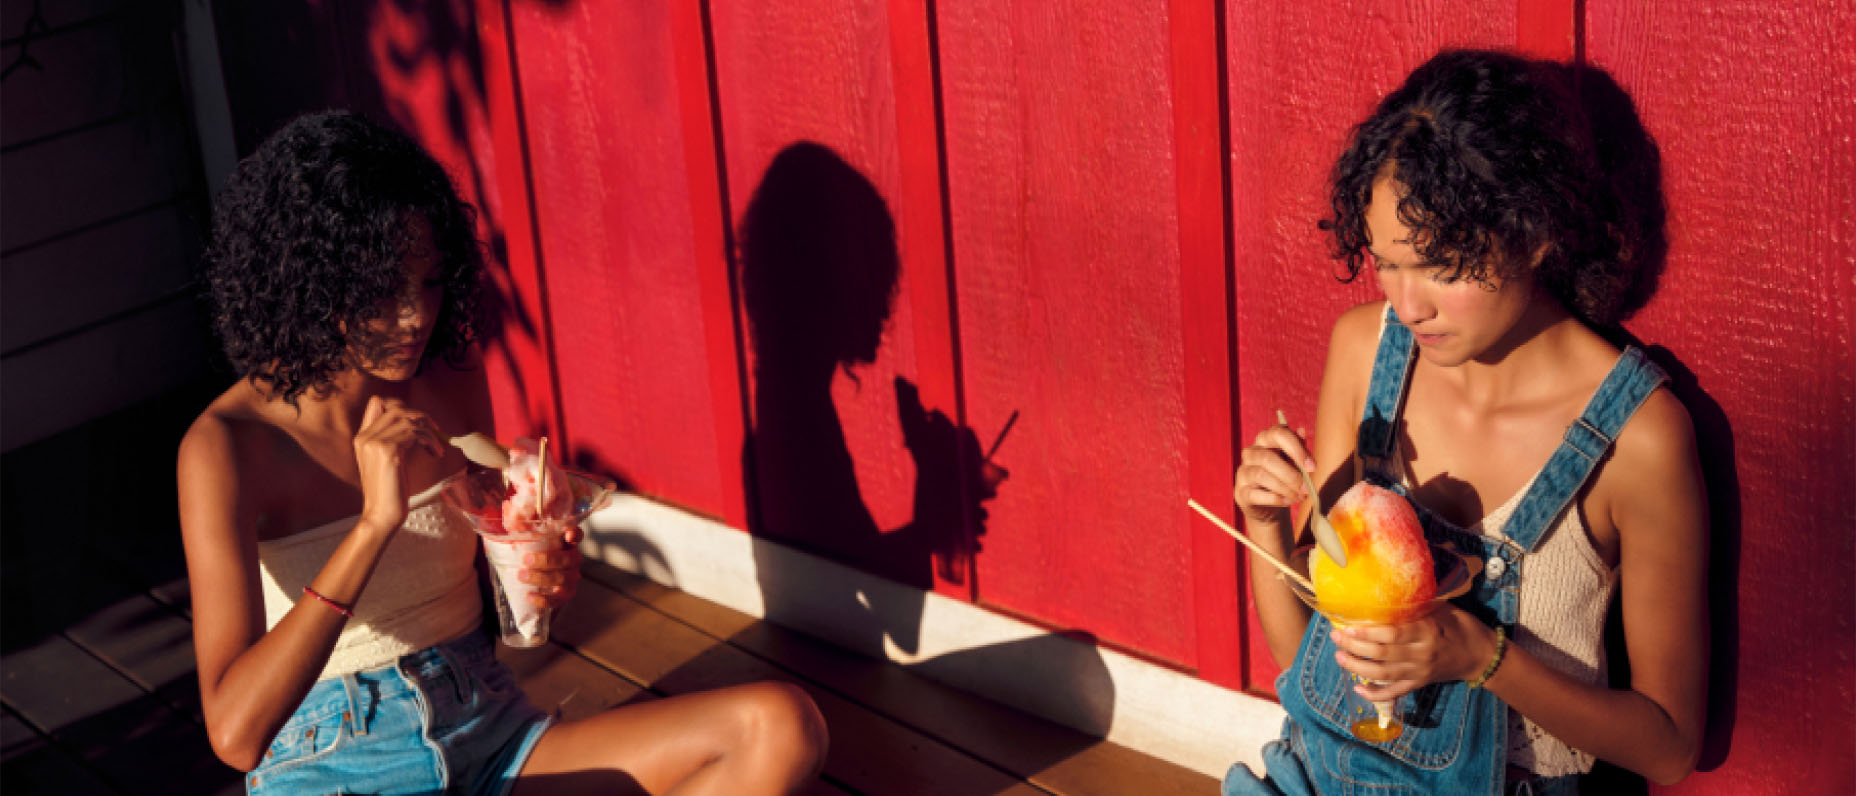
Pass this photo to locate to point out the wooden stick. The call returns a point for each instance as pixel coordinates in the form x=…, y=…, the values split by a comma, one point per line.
x=541, y=489
x=1254, y=547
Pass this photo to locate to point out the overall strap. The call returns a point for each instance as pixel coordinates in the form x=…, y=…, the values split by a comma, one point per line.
x=1385, y=393
x=1586, y=443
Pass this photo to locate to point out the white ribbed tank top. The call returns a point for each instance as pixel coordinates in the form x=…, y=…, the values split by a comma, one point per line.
x=423, y=591
x=1565, y=590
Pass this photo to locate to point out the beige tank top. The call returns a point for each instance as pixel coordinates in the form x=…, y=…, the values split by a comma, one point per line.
x=423, y=591
x=1565, y=590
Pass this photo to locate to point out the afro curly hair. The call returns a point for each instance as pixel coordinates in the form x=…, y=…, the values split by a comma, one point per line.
x=309, y=235
x=1496, y=162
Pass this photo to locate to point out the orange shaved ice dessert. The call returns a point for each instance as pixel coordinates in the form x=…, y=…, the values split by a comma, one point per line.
x=1389, y=575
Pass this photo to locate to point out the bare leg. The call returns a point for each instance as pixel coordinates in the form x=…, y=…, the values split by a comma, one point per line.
x=760, y=738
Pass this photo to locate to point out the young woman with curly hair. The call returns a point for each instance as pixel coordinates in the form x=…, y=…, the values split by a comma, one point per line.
x=1480, y=390
x=337, y=619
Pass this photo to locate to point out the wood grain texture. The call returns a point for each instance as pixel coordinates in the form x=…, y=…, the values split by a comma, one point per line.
x=35, y=765
x=1547, y=28
x=854, y=439
x=55, y=16
x=86, y=74
x=1047, y=755
x=1301, y=75
x=517, y=360
x=1752, y=106
x=1080, y=253
x=120, y=732
x=820, y=71
x=870, y=753
x=111, y=268
x=102, y=369
x=710, y=227
x=613, y=203
x=62, y=184
x=150, y=645
x=1206, y=271
x=1065, y=225
x=565, y=684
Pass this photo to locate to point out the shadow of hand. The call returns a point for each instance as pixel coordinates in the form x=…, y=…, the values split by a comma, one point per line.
x=952, y=482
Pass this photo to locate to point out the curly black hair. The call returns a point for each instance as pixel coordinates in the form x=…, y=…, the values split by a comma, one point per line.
x=1496, y=161
x=308, y=240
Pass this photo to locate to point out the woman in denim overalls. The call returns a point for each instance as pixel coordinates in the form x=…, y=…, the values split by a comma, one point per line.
x=1474, y=192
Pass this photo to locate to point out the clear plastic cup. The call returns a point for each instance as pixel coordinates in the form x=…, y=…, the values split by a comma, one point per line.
x=479, y=494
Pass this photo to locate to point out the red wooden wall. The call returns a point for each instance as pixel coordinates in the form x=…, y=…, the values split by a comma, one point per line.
x=1093, y=222
x=1060, y=159
x=1752, y=104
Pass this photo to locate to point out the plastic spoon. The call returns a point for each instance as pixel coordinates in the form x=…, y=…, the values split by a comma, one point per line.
x=1317, y=519
x=482, y=450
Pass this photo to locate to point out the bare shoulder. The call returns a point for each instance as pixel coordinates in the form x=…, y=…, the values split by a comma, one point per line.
x=232, y=435
x=216, y=449
x=1653, y=479
x=1356, y=335
x=214, y=435
x=1357, y=329
x=1659, y=440
x=1350, y=351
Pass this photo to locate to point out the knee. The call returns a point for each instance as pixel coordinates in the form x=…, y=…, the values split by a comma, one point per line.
x=782, y=717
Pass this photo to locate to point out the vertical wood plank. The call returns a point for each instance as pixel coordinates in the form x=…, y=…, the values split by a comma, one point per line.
x=855, y=425
x=1548, y=28
x=929, y=273
x=516, y=358
x=1752, y=105
x=713, y=241
x=87, y=75
x=1065, y=207
x=1205, y=289
x=615, y=214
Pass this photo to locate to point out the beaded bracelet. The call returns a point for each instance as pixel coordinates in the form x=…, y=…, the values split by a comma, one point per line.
x=1501, y=646
x=339, y=608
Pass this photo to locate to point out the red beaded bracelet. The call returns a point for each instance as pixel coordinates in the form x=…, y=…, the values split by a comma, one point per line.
x=339, y=608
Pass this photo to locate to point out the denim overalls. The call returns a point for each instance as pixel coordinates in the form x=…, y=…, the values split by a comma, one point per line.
x=1456, y=739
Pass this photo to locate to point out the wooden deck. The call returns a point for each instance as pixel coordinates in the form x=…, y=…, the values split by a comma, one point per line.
x=97, y=679
x=108, y=705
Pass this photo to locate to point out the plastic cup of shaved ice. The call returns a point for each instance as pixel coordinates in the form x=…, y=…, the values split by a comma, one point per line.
x=481, y=495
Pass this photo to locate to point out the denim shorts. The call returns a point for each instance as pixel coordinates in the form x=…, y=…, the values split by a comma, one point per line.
x=445, y=719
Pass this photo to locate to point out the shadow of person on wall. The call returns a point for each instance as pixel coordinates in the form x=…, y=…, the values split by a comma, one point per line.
x=1630, y=158
x=819, y=269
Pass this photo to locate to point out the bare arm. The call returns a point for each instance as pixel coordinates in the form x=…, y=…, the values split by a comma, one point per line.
x=1653, y=728
x=1268, y=483
x=252, y=680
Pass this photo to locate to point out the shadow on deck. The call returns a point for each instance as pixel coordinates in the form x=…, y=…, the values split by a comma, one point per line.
x=97, y=678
